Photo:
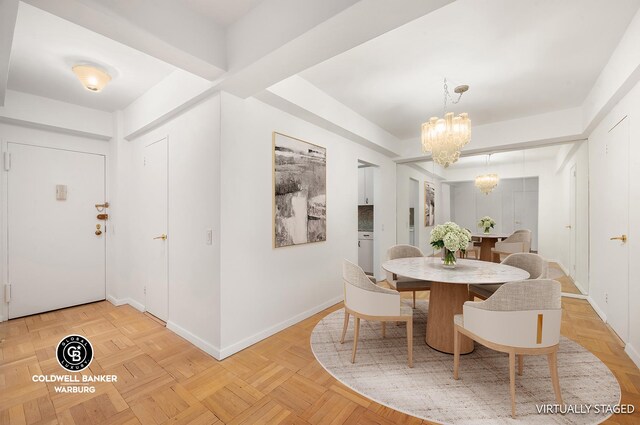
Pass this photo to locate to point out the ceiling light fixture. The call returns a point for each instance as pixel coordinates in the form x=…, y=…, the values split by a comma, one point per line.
x=92, y=78
x=487, y=182
x=445, y=137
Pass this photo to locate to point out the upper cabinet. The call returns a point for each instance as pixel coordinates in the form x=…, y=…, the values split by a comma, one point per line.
x=365, y=186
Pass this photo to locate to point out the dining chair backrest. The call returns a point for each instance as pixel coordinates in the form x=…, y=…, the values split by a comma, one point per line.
x=537, y=266
x=524, y=314
x=523, y=236
x=402, y=251
x=364, y=297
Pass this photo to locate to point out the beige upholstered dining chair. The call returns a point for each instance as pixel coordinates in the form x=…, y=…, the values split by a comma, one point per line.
x=537, y=267
x=521, y=318
x=519, y=241
x=365, y=300
x=401, y=283
x=472, y=248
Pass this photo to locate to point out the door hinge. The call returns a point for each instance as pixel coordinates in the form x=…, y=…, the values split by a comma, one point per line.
x=7, y=161
x=7, y=293
x=145, y=290
x=144, y=161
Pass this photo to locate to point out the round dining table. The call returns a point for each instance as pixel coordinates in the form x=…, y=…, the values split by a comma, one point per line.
x=488, y=241
x=450, y=290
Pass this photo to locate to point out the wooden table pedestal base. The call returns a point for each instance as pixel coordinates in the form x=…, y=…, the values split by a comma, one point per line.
x=445, y=301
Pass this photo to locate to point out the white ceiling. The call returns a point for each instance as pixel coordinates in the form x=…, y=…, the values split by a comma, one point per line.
x=45, y=47
x=222, y=12
x=519, y=57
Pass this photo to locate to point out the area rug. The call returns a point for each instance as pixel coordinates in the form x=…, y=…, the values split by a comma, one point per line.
x=480, y=396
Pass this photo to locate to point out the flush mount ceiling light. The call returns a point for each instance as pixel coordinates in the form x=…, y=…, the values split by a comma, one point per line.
x=445, y=137
x=92, y=78
x=487, y=182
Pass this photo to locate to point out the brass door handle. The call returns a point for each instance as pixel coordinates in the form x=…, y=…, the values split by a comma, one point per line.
x=162, y=236
x=568, y=226
x=622, y=238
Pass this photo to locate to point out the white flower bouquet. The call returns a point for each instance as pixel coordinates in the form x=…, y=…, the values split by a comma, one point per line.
x=451, y=238
x=486, y=223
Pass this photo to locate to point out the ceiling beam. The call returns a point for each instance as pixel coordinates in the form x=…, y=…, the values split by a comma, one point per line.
x=8, y=15
x=172, y=33
x=280, y=38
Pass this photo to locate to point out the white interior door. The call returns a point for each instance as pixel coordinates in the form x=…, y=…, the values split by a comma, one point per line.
x=616, y=223
x=572, y=221
x=525, y=214
x=156, y=198
x=55, y=258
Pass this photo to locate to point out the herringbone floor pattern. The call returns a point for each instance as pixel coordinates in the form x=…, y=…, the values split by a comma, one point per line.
x=163, y=379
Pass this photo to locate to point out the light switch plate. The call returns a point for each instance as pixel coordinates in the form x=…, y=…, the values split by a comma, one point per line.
x=209, y=237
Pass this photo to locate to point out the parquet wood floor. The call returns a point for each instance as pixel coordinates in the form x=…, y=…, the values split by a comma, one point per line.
x=163, y=379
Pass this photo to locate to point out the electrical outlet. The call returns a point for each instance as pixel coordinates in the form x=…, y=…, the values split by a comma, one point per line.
x=606, y=298
x=145, y=290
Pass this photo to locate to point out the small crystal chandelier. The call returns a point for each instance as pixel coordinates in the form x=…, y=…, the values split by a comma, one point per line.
x=487, y=182
x=445, y=137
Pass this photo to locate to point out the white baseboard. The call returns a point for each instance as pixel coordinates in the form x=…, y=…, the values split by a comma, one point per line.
x=578, y=296
x=598, y=310
x=121, y=301
x=241, y=345
x=632, y=353
x=195, y=340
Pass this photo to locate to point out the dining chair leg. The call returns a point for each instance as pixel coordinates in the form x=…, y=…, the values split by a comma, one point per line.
x=520, y=364
x=512, y=382
x=553, y=368
x=384, y=329
x=456, y=351
x=346, y=325
x=410, y=341
x=414, y=299
x=356, y=331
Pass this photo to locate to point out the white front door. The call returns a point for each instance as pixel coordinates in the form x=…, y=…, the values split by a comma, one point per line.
x=55, y=258
x=155, y=200
x=615, y=199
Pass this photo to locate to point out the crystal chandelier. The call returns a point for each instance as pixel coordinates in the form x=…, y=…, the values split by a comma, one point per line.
x=445, y=137
x=487, y=182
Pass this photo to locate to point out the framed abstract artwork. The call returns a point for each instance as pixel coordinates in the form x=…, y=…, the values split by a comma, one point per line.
x=429, y=205
x=299, y=191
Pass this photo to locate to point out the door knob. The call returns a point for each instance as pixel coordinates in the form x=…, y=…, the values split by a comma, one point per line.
x=162, y=236
x=622, y=238
x=568, y=226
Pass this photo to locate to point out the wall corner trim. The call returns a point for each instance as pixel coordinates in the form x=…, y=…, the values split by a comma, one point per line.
x=195, y=340
x=241, y=345
x=133, y=303
x=632, y=353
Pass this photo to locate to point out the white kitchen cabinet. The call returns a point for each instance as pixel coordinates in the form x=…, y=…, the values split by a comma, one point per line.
x=365, y=186
x=365, y=254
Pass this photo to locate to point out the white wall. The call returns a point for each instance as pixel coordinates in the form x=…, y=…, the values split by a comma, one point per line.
x=403, y=201
x=628, y=106
x=193, y=206
x=266, y=289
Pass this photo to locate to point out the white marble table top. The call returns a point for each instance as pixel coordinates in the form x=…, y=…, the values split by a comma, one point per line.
x=491, y=235
x=465, y=272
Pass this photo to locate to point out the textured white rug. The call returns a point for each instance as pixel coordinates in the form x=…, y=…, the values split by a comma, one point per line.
x=481, y=396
